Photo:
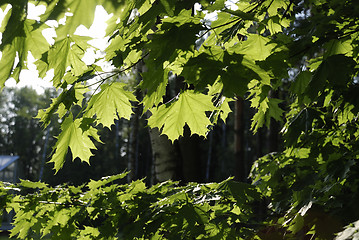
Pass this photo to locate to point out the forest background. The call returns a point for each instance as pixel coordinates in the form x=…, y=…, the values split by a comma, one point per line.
x=176, y=77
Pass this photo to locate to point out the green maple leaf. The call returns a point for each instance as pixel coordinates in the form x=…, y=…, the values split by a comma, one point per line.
x=190, y=108
x=275, y=5
x=267, y=109
x=336, y=71
x=67, y=52
x=274, y=25
x=168, y=6
x=78, y=67
x=336, y=46
x=57, y=59
x=6, y=63
x=29, y=184
x=83, y=14
x=84, y=11
x=301, y=82
x=155, y=83
x=35, y=42
x=59, y=218
x=89, y=232
x=24, y=37
x=224, y=108
x=75, y=135
x=110, y=103
x=256, y=47
x=222, y=104
x=62, y=103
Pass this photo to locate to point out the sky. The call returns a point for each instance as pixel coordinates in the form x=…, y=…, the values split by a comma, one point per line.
x=29, y=77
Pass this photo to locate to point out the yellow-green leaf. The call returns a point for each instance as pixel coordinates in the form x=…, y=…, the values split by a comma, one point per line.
x=110, y=103
x=190, y=108
x=256, y=47
x=76, y=136
x=26, y=36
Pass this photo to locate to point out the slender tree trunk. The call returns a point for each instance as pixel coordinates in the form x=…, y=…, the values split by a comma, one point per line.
x=117, y=140
x=260, y=142
x=43, y=158
x=191, y=157
x=241, y=168
x=209, y=157
x=133, y=142
x=134, y=130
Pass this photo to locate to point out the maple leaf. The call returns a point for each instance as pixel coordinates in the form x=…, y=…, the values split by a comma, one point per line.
x=154, y=82
x=267, y=109
x=110, y=103
x=275, y=5
x=190, y=108
x=67, y=52
x=62, y=103
x=256, y=47
x=6, y=63
x=75, y=135
x=83, y=13
x=223, y=108
x=26, y=36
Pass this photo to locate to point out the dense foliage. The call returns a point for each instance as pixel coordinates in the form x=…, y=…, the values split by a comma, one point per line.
x=248, y=49
x=107, y=210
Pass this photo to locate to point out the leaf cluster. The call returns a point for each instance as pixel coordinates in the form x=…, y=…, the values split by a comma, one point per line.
x=170, y=39
x=248, y=51
x=107, y=209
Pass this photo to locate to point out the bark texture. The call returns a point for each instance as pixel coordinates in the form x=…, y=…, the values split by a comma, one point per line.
x=165, y=157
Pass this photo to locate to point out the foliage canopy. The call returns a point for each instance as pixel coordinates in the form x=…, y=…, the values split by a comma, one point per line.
x=248, y=50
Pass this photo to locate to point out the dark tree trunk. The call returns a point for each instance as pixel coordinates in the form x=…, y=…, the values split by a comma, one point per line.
x=191, y=157
x=134, y=129
x=241, y=166
x=260, y=142
x=133, y=143
x=209, y=156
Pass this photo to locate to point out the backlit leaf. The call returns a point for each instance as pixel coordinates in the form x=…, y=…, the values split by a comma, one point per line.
x=110, y=103
x=77, y=138
x=65, y=53
x=172, y=117
x=26, y=36
x=83, y=12
x=29, y=184
x=256, y=47
x=6, y=63
x=155, y=83
x=268, y=108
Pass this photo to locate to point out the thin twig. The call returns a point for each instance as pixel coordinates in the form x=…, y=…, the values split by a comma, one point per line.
x=104, y=79
x=117, y=72
x=222, y=25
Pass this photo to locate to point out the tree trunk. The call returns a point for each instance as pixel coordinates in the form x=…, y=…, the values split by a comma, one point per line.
x=165, y=157
x=43, y=157
x=241, y=166
x=134, y=129
x=133, y=143
x=209, y=157
x=191, y=157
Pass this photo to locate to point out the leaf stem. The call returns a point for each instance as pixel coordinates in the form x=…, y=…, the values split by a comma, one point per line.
x=100, y=82
x=222, y=25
